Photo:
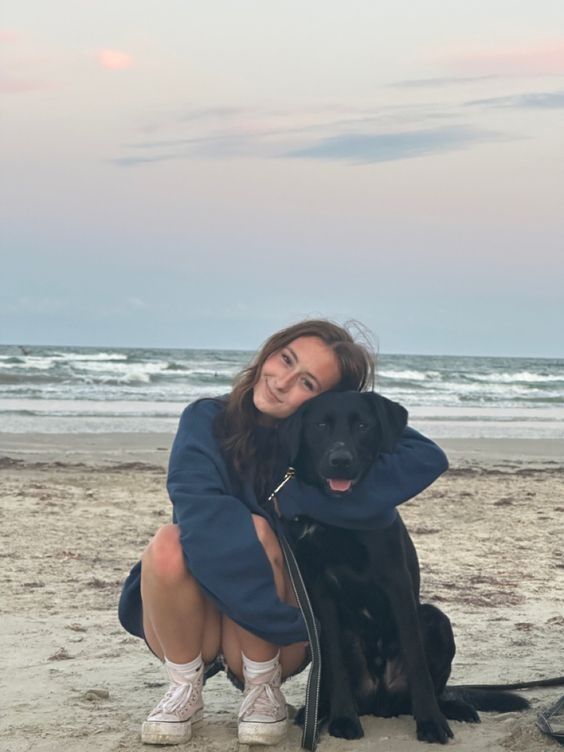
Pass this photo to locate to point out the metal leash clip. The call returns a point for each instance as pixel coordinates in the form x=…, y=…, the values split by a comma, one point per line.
x=290, y=473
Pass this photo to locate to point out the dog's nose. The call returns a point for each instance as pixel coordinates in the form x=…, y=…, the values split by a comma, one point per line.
x=340, y=459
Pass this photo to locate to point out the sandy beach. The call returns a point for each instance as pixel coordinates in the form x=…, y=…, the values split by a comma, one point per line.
x=77, y=511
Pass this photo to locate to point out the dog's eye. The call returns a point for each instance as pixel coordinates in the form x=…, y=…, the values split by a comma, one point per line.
x=362, y=426
x=321, y=426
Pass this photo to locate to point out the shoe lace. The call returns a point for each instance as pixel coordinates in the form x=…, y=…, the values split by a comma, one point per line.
x=260, y=698
x=176, y=698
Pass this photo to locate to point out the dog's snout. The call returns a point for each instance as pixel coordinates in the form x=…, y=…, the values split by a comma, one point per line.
x=340, y=459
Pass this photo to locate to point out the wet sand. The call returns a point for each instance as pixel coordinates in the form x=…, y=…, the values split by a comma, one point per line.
x=77, y=511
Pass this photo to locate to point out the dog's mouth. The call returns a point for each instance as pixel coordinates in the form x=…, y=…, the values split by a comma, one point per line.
x=339, y=486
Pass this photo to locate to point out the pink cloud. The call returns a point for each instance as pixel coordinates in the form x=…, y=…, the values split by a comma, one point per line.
x=114, y=59
x=13, y=86
x=536, y=59
x=8, y=36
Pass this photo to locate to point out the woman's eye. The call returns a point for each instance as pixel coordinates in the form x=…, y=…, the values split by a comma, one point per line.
x=309, y=385
x=285, y=358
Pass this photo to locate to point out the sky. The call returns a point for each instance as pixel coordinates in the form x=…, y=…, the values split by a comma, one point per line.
x=200, y=174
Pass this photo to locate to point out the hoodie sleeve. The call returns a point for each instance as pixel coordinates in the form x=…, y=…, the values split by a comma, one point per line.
x=218, y=537
x=394, y=478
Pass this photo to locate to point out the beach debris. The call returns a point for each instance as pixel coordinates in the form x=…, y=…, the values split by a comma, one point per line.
x=424, y=530
x=95, y=695
x=68, y=554
x=76, y=627
x=61, y=654
x=9, y=462
x=96, y=582
x=506, y=501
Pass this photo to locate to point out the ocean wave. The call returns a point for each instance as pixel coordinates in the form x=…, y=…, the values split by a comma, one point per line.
x=527, y=377
x=7, y=361
x=89, y=357
x=27, y=378
x=408, y=375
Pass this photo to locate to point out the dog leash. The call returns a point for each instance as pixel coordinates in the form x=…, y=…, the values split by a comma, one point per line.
x=310, y=731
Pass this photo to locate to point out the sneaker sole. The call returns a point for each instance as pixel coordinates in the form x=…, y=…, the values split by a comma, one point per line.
x=155, y=732
x=262, y=733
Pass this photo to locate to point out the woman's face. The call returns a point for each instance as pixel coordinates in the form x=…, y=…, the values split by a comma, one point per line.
x=301, y=370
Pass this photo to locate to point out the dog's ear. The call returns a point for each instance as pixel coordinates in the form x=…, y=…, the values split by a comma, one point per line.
x=392, y=418
x=290, y=434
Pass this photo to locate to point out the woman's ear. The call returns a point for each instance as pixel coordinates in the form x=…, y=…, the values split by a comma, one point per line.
x=392, y=418
x=290, y=435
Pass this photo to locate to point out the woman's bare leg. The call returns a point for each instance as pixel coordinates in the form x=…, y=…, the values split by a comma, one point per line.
x=235, y=639
x=178, y=620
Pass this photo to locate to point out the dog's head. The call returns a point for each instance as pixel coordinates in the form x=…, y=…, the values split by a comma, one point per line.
x=334, y=438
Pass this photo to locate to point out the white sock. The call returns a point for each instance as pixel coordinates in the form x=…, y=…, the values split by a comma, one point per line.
x=184, y=673
x=252, y=669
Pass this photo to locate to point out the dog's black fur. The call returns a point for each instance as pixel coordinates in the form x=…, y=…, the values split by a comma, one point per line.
x=383, y=651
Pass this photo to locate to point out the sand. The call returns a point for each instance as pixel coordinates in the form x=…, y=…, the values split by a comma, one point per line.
x=77, y=511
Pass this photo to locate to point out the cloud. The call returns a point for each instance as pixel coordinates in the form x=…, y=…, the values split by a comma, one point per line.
x=543, y=58
x=114, y=59
x=544, y=100
x=217, y=132
x=21, y=85
x=386, y=147
x=25, y=64
x=7, y=36
x=133, y=161
x=421, y=83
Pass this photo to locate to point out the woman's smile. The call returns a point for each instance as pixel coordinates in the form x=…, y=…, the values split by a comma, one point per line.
x=294, y=374
x=270, y=393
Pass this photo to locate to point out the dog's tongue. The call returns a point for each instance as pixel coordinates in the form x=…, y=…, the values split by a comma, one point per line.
x=339, y=485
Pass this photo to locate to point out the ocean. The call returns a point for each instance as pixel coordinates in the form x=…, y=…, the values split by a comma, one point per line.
x=86, y=389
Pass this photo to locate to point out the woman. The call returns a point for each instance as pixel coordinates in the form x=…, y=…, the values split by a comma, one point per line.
x=212, y=589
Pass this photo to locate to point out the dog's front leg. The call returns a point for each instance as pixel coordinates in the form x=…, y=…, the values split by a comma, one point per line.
x=432, y=726
x=336, y=686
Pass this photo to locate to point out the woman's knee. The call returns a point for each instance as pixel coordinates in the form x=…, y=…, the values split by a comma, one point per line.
x=163, y=558
x=269, y=541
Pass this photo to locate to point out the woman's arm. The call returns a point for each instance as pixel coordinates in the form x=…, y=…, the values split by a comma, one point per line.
x=218, y=537
x=394, y=478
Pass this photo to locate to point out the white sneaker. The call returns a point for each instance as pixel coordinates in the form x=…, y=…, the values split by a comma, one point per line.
x=171, y=721
x=263, y=717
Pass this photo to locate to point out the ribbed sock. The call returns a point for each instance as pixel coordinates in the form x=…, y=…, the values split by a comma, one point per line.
x=184, y=672
x=252, y=669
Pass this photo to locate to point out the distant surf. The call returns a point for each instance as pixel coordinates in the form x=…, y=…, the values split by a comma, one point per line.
x=83, y=389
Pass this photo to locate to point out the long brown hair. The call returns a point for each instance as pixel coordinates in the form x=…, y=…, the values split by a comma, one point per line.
x=238, y=423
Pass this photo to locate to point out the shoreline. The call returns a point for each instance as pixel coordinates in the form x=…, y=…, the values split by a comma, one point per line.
x=154, y=449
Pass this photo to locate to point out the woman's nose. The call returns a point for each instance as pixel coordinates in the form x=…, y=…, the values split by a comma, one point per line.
x=284, y=382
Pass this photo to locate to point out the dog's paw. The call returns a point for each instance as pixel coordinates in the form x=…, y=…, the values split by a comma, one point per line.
x=459, y=710
x=345, y=727
x=435, y=730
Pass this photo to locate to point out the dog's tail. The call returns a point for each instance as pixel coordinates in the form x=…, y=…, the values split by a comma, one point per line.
x=554, y=681
x=496, y=697
x=487, y=699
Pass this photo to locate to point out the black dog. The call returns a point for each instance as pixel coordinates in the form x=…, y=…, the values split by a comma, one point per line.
x=383, y=652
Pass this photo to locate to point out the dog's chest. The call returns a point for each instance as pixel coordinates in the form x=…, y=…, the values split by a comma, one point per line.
x=324, y=549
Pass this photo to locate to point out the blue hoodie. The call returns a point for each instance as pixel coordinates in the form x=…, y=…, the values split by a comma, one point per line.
x=218, y=536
